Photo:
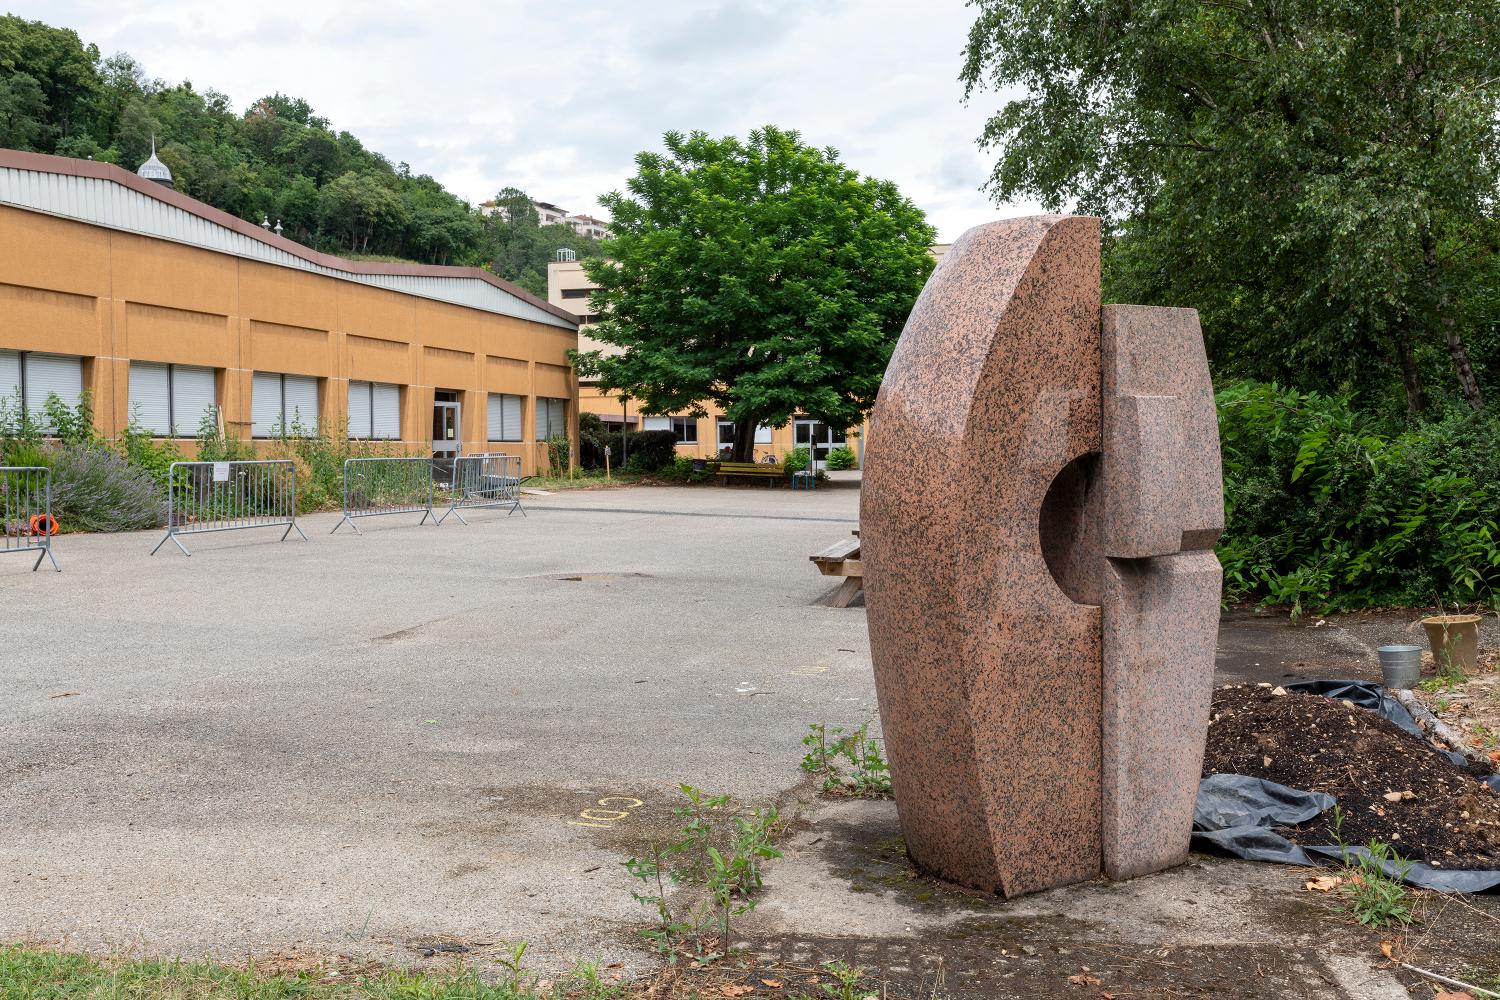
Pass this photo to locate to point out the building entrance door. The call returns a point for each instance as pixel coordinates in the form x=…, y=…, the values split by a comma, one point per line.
x=447, y=429
x=818, y=438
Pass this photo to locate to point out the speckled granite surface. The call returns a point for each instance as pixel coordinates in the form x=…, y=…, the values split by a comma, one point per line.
x=991, y=543
x=1163, y=509
x=987, y=672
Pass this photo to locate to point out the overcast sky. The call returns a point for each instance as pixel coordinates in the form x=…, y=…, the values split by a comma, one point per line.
x=557, y=98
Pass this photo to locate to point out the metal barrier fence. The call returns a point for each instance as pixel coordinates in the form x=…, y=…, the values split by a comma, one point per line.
x=485, y=481
x=376, y=486
x=228, y=496
x=26, y=523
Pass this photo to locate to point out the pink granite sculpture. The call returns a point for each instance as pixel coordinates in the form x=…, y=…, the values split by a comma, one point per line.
x=1041, y=498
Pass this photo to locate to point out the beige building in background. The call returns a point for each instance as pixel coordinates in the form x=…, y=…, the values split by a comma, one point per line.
x=165, y=308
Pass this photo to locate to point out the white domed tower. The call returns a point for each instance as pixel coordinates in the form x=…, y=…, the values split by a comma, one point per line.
x=155, y=170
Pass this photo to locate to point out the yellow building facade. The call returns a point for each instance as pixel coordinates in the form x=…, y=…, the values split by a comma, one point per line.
x=161, y=305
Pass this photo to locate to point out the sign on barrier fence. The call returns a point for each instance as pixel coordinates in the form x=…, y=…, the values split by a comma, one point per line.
x=485, y=481
x=228, y=496
x=376, y=486
x=26, y=522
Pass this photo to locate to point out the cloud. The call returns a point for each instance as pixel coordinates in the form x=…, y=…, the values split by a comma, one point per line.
x=558, y=98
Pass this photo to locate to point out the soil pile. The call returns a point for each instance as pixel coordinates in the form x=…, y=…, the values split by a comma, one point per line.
x=1390, y=785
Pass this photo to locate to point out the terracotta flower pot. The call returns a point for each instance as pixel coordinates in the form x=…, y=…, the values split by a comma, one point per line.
x=1455, y=641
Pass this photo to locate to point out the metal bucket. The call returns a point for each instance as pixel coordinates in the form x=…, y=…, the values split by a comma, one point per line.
x=1400, y=666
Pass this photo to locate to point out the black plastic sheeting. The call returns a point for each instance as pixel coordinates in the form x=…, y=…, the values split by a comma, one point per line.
x=1236, y=813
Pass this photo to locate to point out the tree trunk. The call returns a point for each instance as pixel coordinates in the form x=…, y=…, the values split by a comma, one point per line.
x=1416, y=397
x=1460, y=354
x=1457, y=349
x=744, y=441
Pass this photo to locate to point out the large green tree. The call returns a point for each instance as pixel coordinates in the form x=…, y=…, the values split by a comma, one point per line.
x=762, y=275
x=1318, y=177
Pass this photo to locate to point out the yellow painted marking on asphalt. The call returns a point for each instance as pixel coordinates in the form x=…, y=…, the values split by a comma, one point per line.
x=605, y=819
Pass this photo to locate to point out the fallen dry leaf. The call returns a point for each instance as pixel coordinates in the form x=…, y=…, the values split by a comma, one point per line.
x=1324, y=883
x=735, y=990
x=1083, y=979
x=774, y=984
x=1388, y=949
x=1454, y=996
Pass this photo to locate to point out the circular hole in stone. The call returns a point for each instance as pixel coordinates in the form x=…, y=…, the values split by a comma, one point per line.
x=1069, y=531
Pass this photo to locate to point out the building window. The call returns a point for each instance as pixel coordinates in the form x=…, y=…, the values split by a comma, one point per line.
x=171, y=400
x=684, y=428
x=283, y=405
x=551, y=418
x=726, y=433
x=578, y=293
x=505, y=417
x=815, y=433
x=28, y=378
x=374, y=411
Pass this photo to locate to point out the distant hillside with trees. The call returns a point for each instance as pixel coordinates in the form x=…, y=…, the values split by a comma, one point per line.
x=277, y=160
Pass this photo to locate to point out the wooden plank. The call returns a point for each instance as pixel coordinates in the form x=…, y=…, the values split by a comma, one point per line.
x=844, y=549
x=847, y=592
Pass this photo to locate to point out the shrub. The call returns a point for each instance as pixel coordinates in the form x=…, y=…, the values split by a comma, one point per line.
x=796, y=460
x=592, y=437
x=1327, y=509
x=648, y=450
x=680, y=470
x=143, y=451
x=559, y=448
x=216, y=446
x=71, y=424
x=840, y=459
x=96, y=489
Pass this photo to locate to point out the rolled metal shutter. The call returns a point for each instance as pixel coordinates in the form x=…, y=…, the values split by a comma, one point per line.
x=10, y=382
x=193, y=397
x=359, y=410
x=150, y=398
x=494, y=417
x=510, y=414
x=385, y=416
x=52, y=374
x=301, y=402
x=265, y=405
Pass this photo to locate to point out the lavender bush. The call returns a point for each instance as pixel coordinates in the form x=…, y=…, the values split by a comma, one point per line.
x=96, y=489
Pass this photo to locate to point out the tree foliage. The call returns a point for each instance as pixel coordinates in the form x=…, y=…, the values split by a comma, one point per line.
x=1318, y=177
x=520, y=247
x=762, y=275
x=278, y=160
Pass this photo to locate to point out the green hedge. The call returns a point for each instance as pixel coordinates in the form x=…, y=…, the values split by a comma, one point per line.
x=1325, y=508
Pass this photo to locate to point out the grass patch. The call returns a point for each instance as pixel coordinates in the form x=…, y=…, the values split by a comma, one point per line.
x=27, y=974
